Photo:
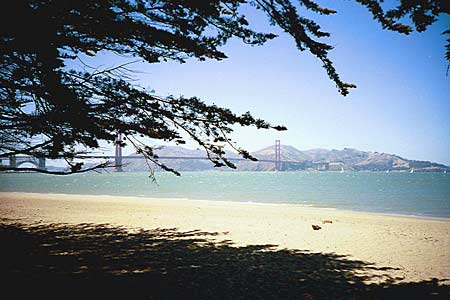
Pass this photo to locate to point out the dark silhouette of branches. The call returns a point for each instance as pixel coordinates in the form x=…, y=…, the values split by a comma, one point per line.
x=49, y=110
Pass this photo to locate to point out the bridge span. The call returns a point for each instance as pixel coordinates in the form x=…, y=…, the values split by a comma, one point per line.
x=278, y=163
x=17, y=161
x=40, y=162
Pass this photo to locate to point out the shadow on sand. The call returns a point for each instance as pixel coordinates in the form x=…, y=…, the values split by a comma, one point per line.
x=103, y=262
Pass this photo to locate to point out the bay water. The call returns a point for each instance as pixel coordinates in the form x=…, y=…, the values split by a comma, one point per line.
x=420, y=194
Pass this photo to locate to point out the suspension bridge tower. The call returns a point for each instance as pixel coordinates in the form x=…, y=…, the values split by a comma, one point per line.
x=118, y=156
x=277, y=155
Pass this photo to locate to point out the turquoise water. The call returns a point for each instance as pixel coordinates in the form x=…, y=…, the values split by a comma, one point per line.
x=422, y=194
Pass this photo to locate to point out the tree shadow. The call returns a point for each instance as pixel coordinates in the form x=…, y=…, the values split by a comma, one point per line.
x=89, y=261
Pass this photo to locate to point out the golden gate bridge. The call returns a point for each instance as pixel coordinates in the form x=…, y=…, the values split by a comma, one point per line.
x=40, y=162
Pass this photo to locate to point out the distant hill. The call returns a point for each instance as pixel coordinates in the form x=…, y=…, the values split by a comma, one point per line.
x=346, y=159
x=177, y=164
x=288, y=153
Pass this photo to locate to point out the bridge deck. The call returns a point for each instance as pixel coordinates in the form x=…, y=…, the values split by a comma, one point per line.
x=184, y=157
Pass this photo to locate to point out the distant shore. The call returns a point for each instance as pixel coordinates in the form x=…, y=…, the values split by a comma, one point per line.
x=418, y=248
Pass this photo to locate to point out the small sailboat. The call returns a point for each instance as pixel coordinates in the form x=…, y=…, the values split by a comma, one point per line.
x=412, y=171
x=387, y=171
x=342, y=170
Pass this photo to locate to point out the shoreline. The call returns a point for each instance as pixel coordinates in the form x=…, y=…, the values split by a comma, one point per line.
x=417, y=248
x=400, y=215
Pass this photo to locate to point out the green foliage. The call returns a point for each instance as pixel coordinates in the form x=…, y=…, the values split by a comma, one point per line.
x=42, y=98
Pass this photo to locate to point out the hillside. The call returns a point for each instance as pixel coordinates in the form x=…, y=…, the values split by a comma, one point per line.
x=346, y=159
x=177, y=164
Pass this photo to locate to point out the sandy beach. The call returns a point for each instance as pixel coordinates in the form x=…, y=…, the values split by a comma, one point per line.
x=415, y=248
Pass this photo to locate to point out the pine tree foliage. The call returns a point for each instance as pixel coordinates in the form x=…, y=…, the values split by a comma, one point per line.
x=49, y=110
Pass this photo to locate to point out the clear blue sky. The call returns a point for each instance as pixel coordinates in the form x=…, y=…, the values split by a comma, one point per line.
x=401, y=105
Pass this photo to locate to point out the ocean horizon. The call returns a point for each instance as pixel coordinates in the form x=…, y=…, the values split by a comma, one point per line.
x=416, y=194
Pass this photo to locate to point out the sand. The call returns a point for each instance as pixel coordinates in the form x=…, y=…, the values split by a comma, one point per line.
x=418, y=248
